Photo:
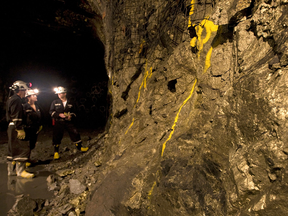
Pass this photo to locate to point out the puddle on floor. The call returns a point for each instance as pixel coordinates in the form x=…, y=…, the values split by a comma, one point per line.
x=11, y=186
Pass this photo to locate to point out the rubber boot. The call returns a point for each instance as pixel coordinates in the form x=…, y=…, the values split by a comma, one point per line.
x=80, y=148
x=21, y=172
x=11, y=168
x=56, y=152
x=28, y=164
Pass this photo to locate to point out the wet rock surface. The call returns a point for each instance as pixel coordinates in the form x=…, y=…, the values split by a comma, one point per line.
x=68, y=179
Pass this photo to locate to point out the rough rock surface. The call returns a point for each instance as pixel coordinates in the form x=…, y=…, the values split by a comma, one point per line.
x=199, y=115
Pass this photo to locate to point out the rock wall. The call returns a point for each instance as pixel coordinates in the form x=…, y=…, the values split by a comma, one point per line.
x=198, y=116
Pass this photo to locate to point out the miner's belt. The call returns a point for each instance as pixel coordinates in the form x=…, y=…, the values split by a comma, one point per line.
x=60, y=119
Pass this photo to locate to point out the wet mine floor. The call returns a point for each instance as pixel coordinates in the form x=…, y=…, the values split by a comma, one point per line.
x=13, y=186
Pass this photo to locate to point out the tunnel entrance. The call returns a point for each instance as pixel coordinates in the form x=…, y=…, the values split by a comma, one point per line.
x=55, y=43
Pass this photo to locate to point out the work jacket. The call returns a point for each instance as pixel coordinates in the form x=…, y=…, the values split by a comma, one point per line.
x=15, y=112
x=57, y=107
x=33, y=117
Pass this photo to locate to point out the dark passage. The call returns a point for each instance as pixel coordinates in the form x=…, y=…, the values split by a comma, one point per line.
x=52, y=43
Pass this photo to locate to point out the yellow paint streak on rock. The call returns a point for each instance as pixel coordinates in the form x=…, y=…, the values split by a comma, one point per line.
x=141, y=46
x=145, y=75
x=150, y=74
x=193, y=42
x=207, y=60
x=176, y=118
x=209, y=53
x=144, y=82
x=191, y=12
x=151, y=190
x=130, y=126
x=138, y=94
x=209, y=28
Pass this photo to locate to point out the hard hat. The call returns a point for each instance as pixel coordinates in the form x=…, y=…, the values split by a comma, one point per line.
x=20, y=86
x=60, y=90
x=31, y=92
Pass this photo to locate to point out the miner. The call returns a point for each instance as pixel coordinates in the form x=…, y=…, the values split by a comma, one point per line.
x=18, y=144
x=33, y=119
x=63, y=116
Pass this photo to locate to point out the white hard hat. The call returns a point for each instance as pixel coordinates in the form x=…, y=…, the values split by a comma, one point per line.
x=30, y=92
x=60, y=90
x=20, y=86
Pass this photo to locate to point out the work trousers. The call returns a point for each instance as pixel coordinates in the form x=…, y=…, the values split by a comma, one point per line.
x=31, y=134
x=60, y=127
x=18, y=150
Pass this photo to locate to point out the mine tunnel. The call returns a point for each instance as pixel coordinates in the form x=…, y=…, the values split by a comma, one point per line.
x=181, y=103
x=54, y=44
x=51, y=44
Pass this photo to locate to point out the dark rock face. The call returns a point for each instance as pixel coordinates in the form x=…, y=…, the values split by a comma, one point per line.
x=205, y=111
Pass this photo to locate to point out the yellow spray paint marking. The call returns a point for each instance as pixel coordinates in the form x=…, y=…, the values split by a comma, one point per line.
x=141, y=46
x=151, y=190
x=209, y=28
x=209, y=53
x=193, y=42
x=191, y=12
x=176, y=118
x=173, y=129
x=144, y=82
x=130, y=126
x=207, y=60
x=146, y=74
x=199, y=42
x=150, y=74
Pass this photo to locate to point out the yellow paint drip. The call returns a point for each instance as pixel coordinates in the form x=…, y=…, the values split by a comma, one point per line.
x=191, y=12
x=193, y=42
x=138, y=94
x=151, y=190
x=208, y=60
x=176, y=118
x=209, y=53
x=130, y=126
x=209, y=27
x=141, y=46
x=144, y=82
x=145, y=75
x=150, y=74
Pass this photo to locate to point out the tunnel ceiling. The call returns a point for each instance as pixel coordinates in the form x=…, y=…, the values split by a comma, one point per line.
x=54, y=33
x=68, y=16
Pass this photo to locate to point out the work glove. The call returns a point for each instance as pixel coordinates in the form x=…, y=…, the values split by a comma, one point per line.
x=68, y=116
x=40, y=128
x=21, y=134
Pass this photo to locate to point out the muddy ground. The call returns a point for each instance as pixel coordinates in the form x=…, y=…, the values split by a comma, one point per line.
x=70, y=179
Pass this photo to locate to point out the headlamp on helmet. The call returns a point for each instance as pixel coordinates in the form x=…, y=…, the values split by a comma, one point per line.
x=20, y=86
x=59, y=90
x=32, y=92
